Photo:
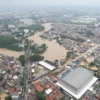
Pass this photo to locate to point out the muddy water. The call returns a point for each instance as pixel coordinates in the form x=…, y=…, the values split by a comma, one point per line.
x=10, y=52
x=54, y=50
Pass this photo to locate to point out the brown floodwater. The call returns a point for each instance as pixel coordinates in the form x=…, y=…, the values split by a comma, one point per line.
x=54, y=50
x=11, y=53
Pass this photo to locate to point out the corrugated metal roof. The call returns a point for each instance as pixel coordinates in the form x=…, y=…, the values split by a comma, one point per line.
x=46, y=65
x=78, y=77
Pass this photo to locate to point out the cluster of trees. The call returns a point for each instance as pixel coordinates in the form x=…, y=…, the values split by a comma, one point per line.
x=59, y=42
x=42, y=36
x=9, y=43
x=89, y=33
x=69, y=54
x=17, y=34
x=52, y=29
x=21, y=81
x=63, y=36
x=37, y=27
x=22, y=59
x=97, y=73
x=39, y=50
x=1, y=77
x=92, y=64
x=7, y=40
x=4, y=84
x=36, y=58
x=8, y=98
x=40, y=96
x=33, y=27
x=32, y=58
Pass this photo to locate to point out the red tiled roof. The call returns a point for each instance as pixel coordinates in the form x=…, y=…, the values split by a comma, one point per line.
x=49, y=85
x=38, y=86
x=12, y=90
x=50, y=97
x=57, y=94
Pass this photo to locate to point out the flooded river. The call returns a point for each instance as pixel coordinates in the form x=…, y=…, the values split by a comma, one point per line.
x=54, y=50
x=11, y=53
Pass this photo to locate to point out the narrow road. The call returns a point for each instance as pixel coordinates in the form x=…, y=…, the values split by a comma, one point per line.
x=28, y=53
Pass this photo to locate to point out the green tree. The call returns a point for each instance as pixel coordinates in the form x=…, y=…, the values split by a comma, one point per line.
x=1, y=78
x=40, y=96
x=62, y=98
x=36, y=58
x=4, y=84
x=39, y=49
x=90, y=33
x=8, y=98
x=33, y=27
x=68, y=54
x=9, y=42
x=22, y=60
x=22, y=81
x=92, y=64
x=61, y=90
x=8, y=71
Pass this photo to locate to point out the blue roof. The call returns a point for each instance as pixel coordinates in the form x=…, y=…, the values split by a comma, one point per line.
x=20, y=45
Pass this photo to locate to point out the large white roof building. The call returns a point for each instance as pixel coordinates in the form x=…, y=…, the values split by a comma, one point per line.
x=46, y=65
x=76, y=82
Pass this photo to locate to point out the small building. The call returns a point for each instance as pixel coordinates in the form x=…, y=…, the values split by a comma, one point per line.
x=15, y=77
x=26, y=30
x=33, y=70
x=48, y=91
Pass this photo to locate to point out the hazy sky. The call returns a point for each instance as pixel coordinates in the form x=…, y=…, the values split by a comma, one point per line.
x=5, y=3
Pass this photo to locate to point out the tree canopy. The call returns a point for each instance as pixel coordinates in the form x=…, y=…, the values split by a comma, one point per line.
x=22, y=59
x=68, y=54
x=40, y=96
x=8, y=98
x=33, y=27
x=36, y=58
x=39, y=49
x=9, y=42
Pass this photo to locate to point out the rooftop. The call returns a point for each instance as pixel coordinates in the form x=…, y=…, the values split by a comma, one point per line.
x=38, y=86
x=46, y=65
x=77, y=81
x=51, y=90
x=77, y=77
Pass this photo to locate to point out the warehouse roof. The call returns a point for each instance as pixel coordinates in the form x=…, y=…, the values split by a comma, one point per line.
x=46, y=65
x=76, y=81
x=81, y=93
x=78, y=77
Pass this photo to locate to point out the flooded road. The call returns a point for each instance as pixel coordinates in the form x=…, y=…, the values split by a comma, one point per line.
x=54, y=50
x=11, y=53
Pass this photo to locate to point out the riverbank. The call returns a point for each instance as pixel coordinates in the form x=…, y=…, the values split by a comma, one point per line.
x=54, y=50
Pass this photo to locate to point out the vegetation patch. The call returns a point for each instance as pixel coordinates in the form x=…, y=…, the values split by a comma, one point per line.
x=36, y=58
x=9, y=42
x=39, y=49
